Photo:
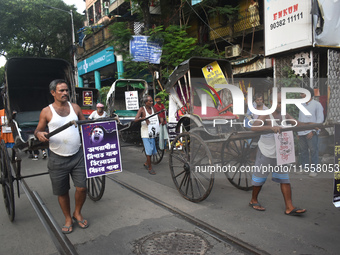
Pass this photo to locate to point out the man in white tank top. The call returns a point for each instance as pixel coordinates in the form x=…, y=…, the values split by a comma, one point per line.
x=147, y=137
x=266, y=155
x=66, y=156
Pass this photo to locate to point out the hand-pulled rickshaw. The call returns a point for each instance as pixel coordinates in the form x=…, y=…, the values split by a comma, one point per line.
x=205, y=141
x=25, y=94
x=124, y=99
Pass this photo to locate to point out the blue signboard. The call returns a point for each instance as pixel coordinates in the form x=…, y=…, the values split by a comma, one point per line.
x=101, y=148
x=101, y=59
x=144, y=51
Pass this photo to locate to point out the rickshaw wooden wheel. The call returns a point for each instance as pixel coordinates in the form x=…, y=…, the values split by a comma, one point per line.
x=157, y=158
x=124, y=136
x=189, y=161
x=235, y=157
x=96, y=187
x=7, y=182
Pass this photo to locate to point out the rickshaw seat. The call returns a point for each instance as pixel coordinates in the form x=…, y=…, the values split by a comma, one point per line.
x=213, y=113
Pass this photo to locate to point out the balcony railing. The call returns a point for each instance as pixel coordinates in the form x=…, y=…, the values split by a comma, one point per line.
x=233, y=28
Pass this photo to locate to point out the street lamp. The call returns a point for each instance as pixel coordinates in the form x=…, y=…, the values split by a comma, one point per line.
x=73, y=38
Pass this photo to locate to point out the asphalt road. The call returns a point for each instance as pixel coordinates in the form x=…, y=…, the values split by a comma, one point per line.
x=121, y=221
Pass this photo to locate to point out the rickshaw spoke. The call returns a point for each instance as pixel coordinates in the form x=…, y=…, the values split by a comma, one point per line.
x=185, y=176
x=180, y=173
x=199, y=181
x=192, y=188
x=203, y=176
x=179, y=159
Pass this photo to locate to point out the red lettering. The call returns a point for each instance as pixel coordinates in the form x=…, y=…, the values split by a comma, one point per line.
x=290, y=10
x=285, y=12
x=275, y=16
x=280, y=14
x=296, y=7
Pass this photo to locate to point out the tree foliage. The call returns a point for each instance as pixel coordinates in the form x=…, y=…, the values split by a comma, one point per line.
x=29, y=28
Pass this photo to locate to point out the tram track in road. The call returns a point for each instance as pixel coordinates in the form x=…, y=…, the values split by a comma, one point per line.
x=61, y=242
x=199, y=224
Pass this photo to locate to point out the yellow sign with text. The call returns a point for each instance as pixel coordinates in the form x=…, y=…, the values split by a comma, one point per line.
x=214, y=75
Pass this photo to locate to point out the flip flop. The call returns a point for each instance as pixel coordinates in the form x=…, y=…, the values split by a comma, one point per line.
x=152, y=172
x=82, y=222
x=68, y=231
x=257, y=209
x=295, y=213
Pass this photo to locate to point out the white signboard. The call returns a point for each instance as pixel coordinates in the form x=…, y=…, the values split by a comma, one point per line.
x=131, y=100
x=285, y=151
x=288, y=25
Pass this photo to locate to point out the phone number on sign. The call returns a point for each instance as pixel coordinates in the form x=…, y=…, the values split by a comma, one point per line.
x=283, y=22
x=318, y=168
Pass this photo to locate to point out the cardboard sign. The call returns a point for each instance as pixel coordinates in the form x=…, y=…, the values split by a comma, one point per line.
x=87, y=98
x=336, y=193
x=101, y=148
x=214, y=75
x=285, y=151
x=131, y=100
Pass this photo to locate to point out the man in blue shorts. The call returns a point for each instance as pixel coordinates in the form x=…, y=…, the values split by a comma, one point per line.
x=266, y=156
x=66, y=156
x=149, y=130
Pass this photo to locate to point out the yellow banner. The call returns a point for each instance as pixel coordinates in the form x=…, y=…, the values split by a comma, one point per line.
x=214, y=75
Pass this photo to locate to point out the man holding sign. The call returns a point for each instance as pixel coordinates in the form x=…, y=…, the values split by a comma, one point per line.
x=266, y=159
x=66, y=156
x=149, y=130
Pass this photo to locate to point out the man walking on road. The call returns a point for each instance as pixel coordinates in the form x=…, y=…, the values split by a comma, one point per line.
x=309, y=139
x=266, y=156
x=66, y=156
x=149, y=130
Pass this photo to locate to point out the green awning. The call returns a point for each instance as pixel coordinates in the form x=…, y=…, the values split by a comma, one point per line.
x=137, y=85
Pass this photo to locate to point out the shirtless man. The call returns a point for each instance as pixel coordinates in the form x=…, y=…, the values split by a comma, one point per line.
x=66, y=156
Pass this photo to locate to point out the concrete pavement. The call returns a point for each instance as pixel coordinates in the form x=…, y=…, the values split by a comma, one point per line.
x=121, y=219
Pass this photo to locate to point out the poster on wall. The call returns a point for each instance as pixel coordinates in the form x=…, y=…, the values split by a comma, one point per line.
x=87, y=98
x=131, y=100
x=288, y=25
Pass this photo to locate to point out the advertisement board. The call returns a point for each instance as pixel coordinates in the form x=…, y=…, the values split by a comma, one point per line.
x=288, y=25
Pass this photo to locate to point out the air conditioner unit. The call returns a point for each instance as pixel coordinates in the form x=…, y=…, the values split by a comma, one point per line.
x=106, y=5
x=232, y=51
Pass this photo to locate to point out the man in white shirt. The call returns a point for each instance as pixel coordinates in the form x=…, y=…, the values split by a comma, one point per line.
x=99, y=113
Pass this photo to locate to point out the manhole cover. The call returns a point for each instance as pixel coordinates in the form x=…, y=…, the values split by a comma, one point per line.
x=170, y=243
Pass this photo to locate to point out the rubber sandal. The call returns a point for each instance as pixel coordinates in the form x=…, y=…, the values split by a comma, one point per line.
x=152, y=172
x=295, y=213
x=257, y=209
x=68, y=231
x=82, y=222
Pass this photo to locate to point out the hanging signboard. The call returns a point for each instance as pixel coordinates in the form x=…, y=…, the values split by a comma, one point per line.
x=87, y=98
x=101, y=148
x=143, y=50
x=285, y=152
x=131, y=100
x=288, y=25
